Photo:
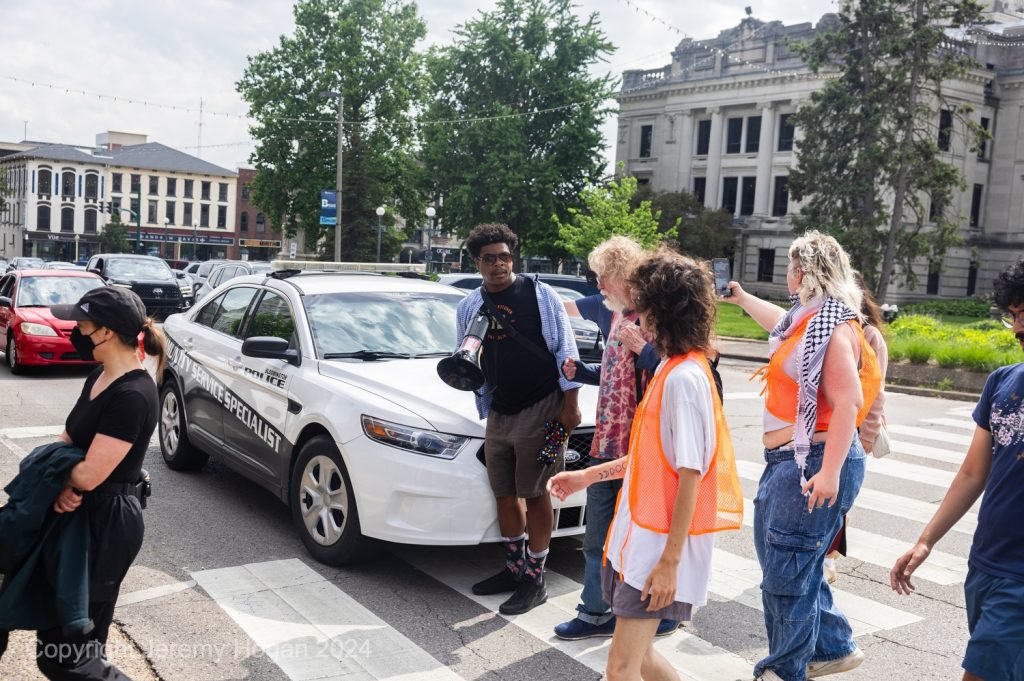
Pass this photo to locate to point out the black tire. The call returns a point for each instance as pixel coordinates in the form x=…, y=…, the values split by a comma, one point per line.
x=333, y=534
x=11, y=357
x=179, y=454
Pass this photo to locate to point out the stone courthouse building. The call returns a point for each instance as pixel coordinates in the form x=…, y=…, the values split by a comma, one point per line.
x=718, y=122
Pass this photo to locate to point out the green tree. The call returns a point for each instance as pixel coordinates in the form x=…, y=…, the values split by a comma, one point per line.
x=609, y=210
x=869, y=165
x=365, y=50
x=701, y=233
x=526, y=139
x=114, y=236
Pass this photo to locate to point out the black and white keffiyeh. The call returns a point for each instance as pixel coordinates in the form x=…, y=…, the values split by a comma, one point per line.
x=830, y=313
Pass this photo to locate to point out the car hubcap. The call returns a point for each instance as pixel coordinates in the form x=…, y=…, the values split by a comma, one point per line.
x=169, y=423
x=323, y=500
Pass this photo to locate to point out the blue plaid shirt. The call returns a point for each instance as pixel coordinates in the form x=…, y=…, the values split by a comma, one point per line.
x=554, y=327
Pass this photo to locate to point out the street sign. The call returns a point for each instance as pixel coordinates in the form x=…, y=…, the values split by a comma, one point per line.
x=328, y=207
x=293, y=249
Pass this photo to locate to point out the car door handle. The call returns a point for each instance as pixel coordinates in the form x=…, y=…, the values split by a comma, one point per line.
x=235, y=362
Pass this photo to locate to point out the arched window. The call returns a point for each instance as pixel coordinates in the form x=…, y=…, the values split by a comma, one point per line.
x=45, y=177
x=92, y=181
x=244, y=225
x=260, y=222
x=90, y=222
x=67, y=184
x=43, y=218
x=67, y=219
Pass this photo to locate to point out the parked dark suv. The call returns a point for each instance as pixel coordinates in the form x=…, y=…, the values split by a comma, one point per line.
x=148, y=276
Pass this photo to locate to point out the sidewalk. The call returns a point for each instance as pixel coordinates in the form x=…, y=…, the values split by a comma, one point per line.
x=748, y=350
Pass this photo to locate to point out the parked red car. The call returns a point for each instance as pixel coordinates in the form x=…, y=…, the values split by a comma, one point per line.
x=31, y=335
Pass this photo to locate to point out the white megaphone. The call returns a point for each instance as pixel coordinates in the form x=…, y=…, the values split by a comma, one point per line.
x=462, y=370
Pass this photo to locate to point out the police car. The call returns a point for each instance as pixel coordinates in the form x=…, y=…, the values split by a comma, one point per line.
x=323, y=388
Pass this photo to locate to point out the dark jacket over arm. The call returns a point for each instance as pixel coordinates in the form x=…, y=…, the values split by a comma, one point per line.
x=44, y=555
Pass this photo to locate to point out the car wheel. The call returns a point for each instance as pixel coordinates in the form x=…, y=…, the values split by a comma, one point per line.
x=11, y=355
x=178, y=452
x=324, y=507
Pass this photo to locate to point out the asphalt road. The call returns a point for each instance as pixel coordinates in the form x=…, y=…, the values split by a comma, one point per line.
x=223, y=588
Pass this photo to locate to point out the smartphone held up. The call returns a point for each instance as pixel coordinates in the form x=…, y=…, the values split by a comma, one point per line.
x=722, y=278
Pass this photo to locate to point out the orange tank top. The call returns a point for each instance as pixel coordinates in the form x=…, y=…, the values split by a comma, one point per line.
x=653, y=480
x=781, y=390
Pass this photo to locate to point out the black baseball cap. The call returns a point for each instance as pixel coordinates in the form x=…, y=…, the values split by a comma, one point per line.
x=117, y=308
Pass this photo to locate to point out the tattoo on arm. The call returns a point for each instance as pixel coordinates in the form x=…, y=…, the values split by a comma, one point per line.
x=615, y=471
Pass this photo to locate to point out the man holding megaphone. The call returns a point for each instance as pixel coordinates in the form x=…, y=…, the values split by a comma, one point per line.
x=530, y=408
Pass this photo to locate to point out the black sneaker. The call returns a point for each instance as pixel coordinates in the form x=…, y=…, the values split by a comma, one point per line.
x=529, y=594
x=500, y=583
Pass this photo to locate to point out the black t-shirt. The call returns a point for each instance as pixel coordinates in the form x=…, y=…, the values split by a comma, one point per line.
x=520, y=377
x=126, y=410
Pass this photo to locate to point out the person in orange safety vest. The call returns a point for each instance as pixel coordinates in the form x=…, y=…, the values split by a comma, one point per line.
x=681, y=485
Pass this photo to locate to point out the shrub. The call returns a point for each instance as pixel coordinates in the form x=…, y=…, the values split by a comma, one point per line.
x=958, y=308
x=918, y=350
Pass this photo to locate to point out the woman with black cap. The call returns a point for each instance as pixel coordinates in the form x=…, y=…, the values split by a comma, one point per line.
x=112, y=422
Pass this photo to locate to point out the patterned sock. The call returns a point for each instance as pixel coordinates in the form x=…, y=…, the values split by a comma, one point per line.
x=515, y=561
x=535, y=563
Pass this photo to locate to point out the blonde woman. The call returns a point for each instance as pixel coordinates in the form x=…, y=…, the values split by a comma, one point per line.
x=820, y=383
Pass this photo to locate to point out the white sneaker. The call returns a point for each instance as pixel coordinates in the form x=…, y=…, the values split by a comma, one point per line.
x=843, y=664
x=769, y=675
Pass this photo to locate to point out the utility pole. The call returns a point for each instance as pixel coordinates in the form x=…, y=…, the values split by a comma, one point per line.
x=138, y=218
x=326, y=94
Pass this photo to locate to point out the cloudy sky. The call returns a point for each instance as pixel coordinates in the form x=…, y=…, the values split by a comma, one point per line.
x=174, y=53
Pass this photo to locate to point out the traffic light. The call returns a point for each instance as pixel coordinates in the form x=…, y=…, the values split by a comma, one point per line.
x=106, y=207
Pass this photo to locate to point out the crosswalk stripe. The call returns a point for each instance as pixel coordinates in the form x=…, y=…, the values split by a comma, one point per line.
x=910, y=472
x=31, y=431
x=929, y=434
x=965, y=424
x=738, y=579
x=881, y=502
x=929, y=451
x=313, y=630
x=691, y=656
x=744, y=396
x=941, y=568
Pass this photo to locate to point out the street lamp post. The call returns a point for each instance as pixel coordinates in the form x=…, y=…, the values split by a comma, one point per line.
x=167, y=221
x=138, y=219
x=195, y=239
x=380, y=213
x=326, y=94
x=431, y=212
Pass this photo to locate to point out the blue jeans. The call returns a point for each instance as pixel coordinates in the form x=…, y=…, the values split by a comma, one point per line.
x=803, y=623
x=601, y=497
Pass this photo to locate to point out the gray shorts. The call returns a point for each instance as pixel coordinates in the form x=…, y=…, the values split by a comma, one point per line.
x=511, y=445
x=624, y=601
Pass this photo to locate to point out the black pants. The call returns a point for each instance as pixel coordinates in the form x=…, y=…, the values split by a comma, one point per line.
x=117, y=531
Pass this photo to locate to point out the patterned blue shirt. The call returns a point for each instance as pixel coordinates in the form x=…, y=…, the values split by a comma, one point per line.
x=554, y=326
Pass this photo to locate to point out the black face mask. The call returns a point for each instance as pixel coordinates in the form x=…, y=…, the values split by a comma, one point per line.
x=83, y=344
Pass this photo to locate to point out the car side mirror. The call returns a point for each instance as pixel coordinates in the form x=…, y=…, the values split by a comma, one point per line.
x=95, y=270
x=6, y=302
x=270, y=347
x=179, y=275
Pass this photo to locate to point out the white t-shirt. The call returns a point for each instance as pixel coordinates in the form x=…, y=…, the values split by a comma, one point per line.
x=688, y=436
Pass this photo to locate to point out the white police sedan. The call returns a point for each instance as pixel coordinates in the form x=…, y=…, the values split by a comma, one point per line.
x=323, y=388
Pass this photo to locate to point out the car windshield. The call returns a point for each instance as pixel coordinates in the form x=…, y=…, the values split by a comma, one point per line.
x=30, y=263
x=406, y=323
x=47, y=291
x=131, y=268
x=567, y=293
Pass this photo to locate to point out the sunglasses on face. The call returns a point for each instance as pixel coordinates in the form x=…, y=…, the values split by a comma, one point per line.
x=491, y=258
x=1011, y=318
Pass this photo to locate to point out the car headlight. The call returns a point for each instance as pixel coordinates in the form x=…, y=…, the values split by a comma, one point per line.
x=417, y=440
x=186, y=290
x=30, y=329
x=586, y=335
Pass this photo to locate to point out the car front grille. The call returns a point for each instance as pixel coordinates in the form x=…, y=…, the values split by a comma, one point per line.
x=577, y=453
x=158, y=292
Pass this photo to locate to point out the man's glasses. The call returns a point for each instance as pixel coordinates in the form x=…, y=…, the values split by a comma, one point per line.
x=491, y=258
x=1011, y=318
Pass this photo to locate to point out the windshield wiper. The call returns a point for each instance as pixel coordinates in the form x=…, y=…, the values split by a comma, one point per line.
x=430, y=354
x=366, y=355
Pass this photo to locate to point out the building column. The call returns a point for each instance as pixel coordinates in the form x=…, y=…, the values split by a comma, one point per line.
x=714, y=171
x=765, y=154
x=685, y=160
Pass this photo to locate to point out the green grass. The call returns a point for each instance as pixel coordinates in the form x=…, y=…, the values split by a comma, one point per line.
x=732, y=321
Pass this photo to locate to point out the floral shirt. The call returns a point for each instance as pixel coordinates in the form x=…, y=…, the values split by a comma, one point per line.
x=616, y=397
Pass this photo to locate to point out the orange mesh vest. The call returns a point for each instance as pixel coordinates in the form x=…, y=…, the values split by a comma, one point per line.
x=653, y=480
x=781, y=391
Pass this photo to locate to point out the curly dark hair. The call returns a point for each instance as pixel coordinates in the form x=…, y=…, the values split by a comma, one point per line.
x=676, y=295
x=1008, y=286
x=491, y=233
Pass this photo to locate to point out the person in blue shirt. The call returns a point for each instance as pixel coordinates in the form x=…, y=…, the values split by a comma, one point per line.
x=994, y=589
x=529, y=338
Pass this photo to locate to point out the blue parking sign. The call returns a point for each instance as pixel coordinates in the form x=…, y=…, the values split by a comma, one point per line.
x=328, y=207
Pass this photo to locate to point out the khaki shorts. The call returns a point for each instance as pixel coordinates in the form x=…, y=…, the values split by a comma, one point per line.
x=511, y=445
